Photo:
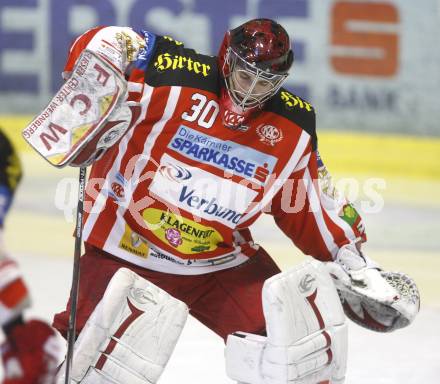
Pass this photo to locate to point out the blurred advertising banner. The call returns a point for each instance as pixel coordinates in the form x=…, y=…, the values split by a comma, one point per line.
x=365, y=65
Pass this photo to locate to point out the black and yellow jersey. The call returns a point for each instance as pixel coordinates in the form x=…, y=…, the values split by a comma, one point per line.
x=10, y=174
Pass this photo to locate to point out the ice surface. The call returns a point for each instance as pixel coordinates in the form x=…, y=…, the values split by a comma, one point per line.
x=409, y=356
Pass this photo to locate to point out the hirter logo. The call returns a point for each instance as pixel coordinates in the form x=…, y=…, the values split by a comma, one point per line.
x=269, y=134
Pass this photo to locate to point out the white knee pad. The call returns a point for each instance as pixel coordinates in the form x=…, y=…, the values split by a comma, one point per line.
x=306, y=339
x=130, y=335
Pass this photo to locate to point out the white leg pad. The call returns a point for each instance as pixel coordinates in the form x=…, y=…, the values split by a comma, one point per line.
x=306, y=339
x=130, y=335
x=243, y=356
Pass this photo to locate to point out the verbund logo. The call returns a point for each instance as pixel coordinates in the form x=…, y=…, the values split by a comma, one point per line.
x=210, y=207
x=200, y=193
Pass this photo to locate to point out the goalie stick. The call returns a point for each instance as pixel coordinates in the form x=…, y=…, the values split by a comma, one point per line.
x=87, y=116
x=75, y=274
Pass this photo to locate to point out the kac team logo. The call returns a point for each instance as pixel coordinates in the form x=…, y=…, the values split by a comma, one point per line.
x=117, y=187
x=118, y=190
x=269, y=134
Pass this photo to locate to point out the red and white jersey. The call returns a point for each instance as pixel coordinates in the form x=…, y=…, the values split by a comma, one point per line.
x=14, y=295
x=179, y=191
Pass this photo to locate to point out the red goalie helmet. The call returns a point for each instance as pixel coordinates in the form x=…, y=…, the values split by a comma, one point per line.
x=254, y=60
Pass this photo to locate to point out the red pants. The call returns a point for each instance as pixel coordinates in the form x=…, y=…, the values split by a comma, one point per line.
x=225, y=301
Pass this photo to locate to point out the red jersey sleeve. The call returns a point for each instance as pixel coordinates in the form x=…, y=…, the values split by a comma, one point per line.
x=312, y=214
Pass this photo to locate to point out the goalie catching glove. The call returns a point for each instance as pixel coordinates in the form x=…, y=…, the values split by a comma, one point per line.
x=375, y=299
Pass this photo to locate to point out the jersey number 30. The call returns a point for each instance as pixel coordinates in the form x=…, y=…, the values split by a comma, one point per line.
x=202, y=110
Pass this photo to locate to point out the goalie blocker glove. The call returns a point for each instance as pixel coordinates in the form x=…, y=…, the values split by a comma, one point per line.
x=88, y=115
x=375, y=299
x=31, y=354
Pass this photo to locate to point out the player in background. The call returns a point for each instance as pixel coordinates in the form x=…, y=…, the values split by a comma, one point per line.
x=31, y=350
x=197, y=148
